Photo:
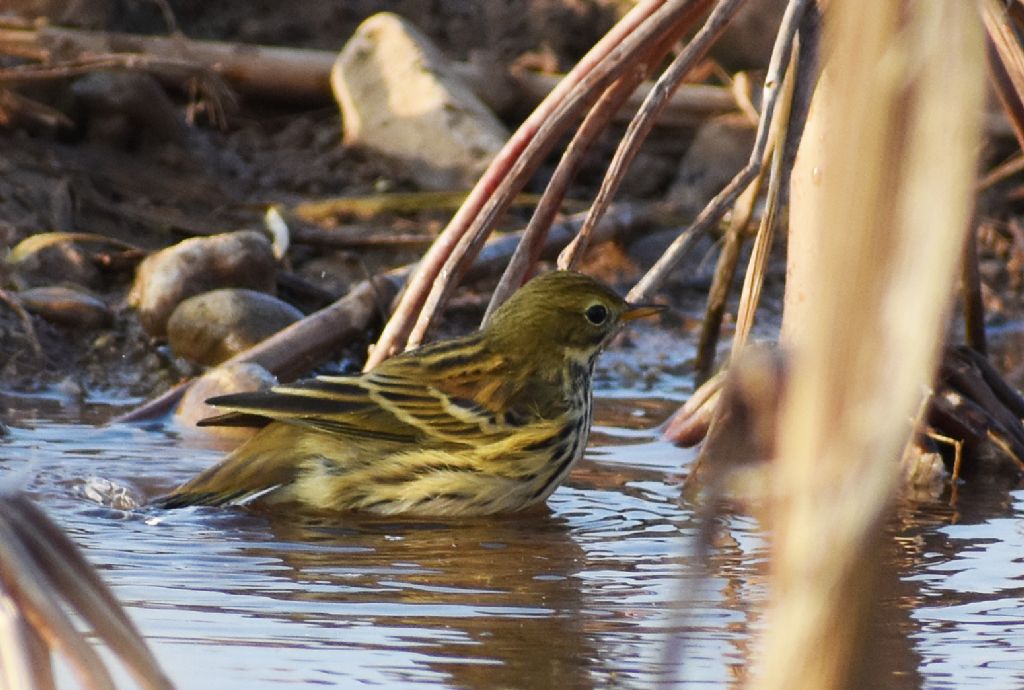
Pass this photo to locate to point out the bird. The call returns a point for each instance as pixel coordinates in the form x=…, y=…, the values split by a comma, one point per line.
x=486, y=423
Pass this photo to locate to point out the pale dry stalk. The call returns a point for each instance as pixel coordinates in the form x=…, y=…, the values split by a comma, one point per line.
x=889, y=193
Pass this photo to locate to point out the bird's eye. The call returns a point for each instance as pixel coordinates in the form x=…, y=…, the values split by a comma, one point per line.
x=596, y=314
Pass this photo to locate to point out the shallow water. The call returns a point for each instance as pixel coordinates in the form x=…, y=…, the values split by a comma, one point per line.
x=603, y=591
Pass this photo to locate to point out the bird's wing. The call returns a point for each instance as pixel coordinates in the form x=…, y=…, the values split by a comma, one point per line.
x=393, y=408
x=396, y=404
x=333, y=404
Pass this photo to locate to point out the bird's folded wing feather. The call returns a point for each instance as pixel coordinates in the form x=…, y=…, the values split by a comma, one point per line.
x=399, y=405
x=376, y=405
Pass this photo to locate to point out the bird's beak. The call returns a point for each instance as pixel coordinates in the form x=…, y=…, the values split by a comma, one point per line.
x=639, y=311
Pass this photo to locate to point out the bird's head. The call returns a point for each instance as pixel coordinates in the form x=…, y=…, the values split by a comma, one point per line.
x=561, y=315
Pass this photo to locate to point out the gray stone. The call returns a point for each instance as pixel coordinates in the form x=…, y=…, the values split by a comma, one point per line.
x=215, y=326
x=163, y=280
x=719, y=150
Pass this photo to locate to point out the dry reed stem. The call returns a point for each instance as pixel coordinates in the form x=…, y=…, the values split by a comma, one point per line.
x=725, y=272
x=903, y=89
x=498, y=176
x=1006, y=63
x=528, y=251
x=1004, y=170
x=652, y=280
x=668, y=23
x=43, y=573
x=26, y=585
x=17, y=662
x=656, y=101
x=970, y=288
x=71, y=578
x=595, y=122
x=753, y=279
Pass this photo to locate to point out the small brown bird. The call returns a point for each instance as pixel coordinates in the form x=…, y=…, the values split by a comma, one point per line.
x=485, y=423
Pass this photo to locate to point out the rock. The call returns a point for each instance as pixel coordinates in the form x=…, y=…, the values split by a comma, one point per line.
x=648, y=175
x=108, y=493
x=400, y=97
x=125, y=109
x=66, y=307
x=163, y=280
x=231, y=378
x=334, y=272
x=923, y=475
x=217, y=325
x=694, y=269
x=719, y=150
x=48, y=257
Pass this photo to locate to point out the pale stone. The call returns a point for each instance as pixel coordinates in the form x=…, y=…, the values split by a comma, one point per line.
x=240, y=377
x=400, y=97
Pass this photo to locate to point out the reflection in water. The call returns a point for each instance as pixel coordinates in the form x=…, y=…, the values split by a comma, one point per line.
x=968, y=568
x=503, y=599
x=584, y=596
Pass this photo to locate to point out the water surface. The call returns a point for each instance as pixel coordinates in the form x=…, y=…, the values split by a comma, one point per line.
x=599, y=592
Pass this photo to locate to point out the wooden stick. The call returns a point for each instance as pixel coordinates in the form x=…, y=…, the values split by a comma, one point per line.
x=304, y=74
x=297, y=349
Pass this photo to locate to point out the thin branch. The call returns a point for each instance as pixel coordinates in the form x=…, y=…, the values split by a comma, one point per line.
x=644, y=289
x=671, y=18
x=528, y=250
x=645, y=118
x=398, y=327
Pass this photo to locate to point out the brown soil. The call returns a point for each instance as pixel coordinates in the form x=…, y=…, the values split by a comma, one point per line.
x=129, y=172
x=132, y=174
